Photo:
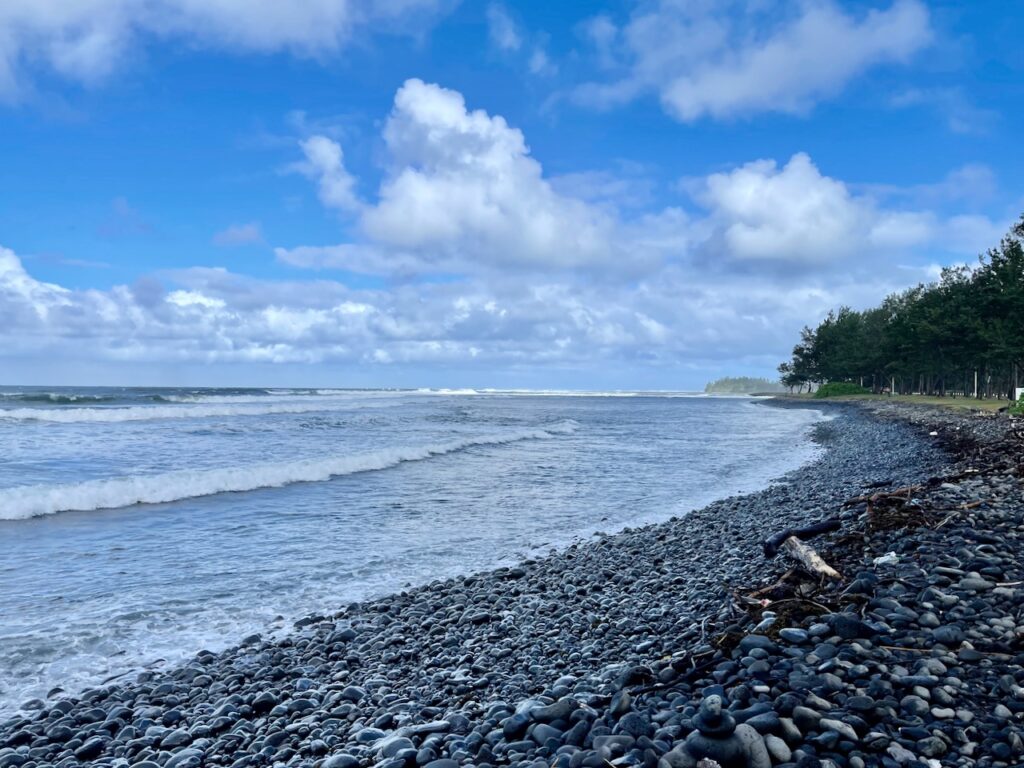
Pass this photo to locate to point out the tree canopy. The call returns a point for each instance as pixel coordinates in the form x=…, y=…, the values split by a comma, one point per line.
x=963, y=334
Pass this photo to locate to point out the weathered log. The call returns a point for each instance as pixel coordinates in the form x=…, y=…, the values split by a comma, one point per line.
x=773, y=542
x=808, y=558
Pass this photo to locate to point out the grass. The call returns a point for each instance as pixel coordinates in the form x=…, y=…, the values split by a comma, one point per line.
x=840, y=389
x=963, y=403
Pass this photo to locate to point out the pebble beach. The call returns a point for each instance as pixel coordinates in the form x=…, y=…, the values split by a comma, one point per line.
x=662, y=646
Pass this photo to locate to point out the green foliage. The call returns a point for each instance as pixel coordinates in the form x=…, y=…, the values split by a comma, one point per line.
x=840, y=388
x=1017, y=408
x=962, y=335
x=741, y=385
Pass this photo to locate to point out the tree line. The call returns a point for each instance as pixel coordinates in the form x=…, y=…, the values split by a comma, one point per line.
x=962, y=335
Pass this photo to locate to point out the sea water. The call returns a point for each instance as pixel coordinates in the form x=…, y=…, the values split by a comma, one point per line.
x=138, y=526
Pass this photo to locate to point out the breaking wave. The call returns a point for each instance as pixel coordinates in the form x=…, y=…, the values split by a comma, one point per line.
x=54, y=398
x=183, y=411
x=28, y=501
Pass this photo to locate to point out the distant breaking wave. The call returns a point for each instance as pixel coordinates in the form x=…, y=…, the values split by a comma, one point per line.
x=57, y=398
x=78, y=408
x=560, y=393
x=199, y=411
x=23, y=502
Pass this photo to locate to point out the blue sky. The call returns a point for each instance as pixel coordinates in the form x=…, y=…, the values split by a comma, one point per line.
x=428, y=192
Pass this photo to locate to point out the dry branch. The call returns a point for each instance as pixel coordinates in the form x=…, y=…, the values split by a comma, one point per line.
x=873, y=498
x=808, y=558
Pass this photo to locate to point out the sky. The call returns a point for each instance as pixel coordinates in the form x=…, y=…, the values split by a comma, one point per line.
x=632, y=194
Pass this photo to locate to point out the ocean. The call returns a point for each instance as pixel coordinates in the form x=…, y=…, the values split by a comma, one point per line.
x=139, y=526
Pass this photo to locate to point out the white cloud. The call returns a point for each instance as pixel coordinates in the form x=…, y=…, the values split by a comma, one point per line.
x=508, y=38
x=795, y=214
x=239, y=234
x=729, y=59
x=973, y=233
x=972, y=183
x=352, y=257
x=463, y=195
x=670, y=317
x=502, y=29
x=325, y=162
x=960, y=113
x=627, y=186
x=490, y=264
x=602, y=34
x=86, y=40
x=540, y=63
x=463, y=188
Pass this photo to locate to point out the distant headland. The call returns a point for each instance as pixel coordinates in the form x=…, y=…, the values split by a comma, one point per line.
x=742, y=385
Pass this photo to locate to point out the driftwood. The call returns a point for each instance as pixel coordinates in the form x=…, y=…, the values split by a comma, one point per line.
x=808, y=558
x=960, y=510
x=872, y=498
x=773, y=542
x=758, y=593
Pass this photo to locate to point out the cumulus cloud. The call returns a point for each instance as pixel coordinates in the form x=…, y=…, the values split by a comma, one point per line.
x=462, y=194
x=325, y=162
x=86, y=40
x=239, y=234
x=463, y=189
x=794, y=213
x=723, y=60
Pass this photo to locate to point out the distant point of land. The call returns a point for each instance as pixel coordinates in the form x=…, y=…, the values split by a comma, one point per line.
x=743, y=385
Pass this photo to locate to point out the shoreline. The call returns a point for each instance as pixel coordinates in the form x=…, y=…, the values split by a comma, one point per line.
x=503, y=527
x=426, y=669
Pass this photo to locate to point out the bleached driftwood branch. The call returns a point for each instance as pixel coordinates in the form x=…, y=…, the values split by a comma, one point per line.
x=808, y=558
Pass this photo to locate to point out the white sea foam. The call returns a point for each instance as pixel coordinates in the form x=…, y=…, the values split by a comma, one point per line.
x=560, y=393
x=282, y=395
x=443, y=391
x=23, y=502
x=184, y=411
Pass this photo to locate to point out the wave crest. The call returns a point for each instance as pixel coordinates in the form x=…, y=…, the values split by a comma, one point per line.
x=183, y=411
x=23, y=502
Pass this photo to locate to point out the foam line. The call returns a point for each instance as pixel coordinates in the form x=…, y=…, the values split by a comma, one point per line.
x=23, y=502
